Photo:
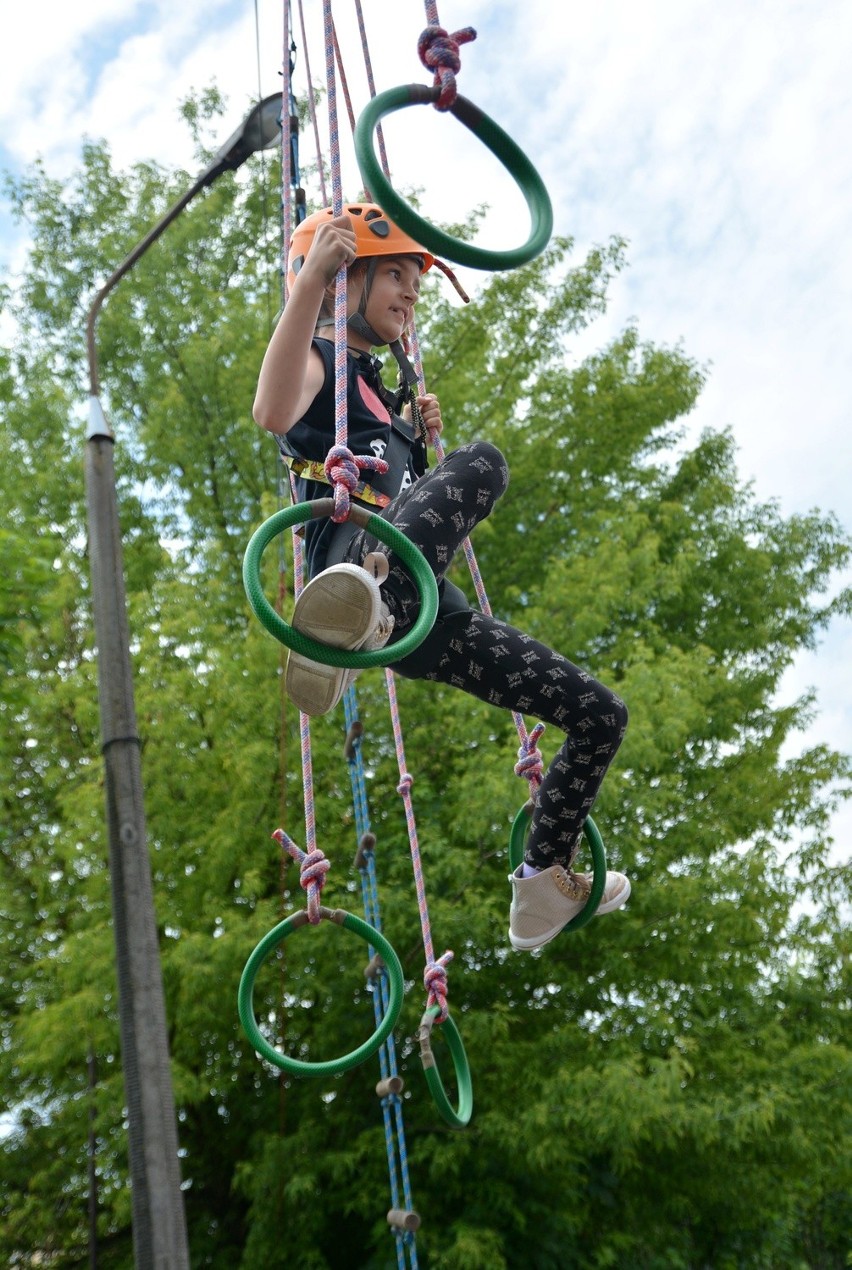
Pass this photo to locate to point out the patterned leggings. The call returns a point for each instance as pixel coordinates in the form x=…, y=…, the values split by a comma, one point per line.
x=494, y=661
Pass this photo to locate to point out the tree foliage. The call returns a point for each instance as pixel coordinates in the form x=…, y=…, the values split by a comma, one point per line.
x=667, y=1088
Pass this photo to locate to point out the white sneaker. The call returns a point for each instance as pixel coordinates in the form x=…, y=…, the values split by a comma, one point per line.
x=545, y=902
x=343, y=607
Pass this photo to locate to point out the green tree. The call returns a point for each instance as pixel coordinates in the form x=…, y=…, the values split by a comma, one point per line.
x=665, y=1088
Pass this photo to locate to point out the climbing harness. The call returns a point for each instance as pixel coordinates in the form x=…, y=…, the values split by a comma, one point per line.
x=313, y=470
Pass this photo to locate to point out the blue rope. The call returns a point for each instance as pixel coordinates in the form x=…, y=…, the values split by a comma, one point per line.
x=391, y=1103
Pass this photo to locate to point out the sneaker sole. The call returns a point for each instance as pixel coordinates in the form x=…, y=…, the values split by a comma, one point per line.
x=538, y=941
x=341, y=610
x=527, y=945
x=313, y=687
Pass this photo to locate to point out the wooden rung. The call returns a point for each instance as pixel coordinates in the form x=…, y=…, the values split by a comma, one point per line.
x=392, y=1085
x=404, y=1219
x=373, y=967
x=367, y=843
x=356, y=731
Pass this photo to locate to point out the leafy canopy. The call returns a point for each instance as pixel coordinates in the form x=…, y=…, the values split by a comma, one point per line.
x=665, y=1089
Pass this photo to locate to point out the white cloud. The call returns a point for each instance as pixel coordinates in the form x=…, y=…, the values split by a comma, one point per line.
x=90, y=70
x=41, y=42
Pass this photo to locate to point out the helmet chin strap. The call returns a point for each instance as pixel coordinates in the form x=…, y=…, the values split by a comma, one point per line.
x=358, y=323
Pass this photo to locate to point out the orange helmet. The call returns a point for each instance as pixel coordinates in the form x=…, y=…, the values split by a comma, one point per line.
x=375, y=235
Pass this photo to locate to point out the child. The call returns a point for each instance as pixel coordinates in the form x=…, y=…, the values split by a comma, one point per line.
x=360, y=595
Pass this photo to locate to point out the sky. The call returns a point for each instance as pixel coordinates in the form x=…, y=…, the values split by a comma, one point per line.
x=714, y=135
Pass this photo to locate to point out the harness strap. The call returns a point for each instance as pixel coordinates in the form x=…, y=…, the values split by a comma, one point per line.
x=313, y=470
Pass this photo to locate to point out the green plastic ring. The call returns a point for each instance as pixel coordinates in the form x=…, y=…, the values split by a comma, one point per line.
x=495, y=139
x=387, y=533
x=595, y=841
x=456, y=1118
x=301, y=1067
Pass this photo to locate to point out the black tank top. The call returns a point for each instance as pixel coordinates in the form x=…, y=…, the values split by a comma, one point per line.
x=374, y=429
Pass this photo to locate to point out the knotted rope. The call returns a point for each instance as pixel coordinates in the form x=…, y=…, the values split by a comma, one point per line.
x=343, y=470
x=312, y=871
x=439, y=52
x=530, y=763
x=435, y=983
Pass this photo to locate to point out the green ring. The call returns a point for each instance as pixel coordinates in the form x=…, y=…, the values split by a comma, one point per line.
x=457, y=1119
x=495, y=139
x=595, y=841
x=301, y=1067
x=311, y=648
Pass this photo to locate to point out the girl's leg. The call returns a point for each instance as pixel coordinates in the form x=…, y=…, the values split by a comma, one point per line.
x=437, y=513
x=493, y=661
x=497, y=663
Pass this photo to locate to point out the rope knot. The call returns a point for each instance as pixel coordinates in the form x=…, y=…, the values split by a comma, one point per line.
x=313, y=867
x=435, y=983
x=405, y=782
x=312, y=871
x=530, y=763
x=439, y=52
x=343, y=471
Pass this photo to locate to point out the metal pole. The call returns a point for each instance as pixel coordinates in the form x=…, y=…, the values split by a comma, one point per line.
x=159, y=1222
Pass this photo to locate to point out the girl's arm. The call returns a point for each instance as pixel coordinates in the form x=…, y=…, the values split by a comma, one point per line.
x=292, y=371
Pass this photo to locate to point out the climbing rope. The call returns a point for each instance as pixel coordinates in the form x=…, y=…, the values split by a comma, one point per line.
x=313, y=863
x=530, y=764
x=371, y=84
x=402, y=1216
x=312, y=108
x=341, y=465
x=435, y=973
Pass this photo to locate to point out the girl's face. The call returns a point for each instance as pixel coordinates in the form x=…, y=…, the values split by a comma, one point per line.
x=393, y=294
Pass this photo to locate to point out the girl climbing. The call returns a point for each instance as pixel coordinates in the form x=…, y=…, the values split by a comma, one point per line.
x=360, y=594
